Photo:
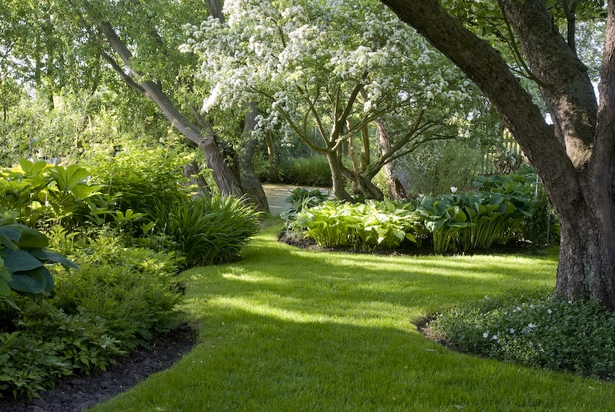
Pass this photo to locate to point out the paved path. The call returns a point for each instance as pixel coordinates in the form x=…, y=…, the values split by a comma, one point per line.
x=276, y=195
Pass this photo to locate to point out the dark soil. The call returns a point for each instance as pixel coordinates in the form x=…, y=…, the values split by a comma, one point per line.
x=77, y=393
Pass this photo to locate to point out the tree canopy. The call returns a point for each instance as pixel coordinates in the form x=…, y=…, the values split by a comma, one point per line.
x=325, y=77
x=573, y=155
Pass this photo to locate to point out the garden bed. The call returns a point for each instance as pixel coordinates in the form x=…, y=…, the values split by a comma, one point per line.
x=76, y=393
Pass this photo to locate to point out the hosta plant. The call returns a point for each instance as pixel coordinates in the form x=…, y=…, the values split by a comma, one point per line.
x=367, y=226
x=23, y=255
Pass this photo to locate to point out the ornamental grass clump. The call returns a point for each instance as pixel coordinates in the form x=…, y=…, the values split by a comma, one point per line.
x=537, y=331
x=206, y=230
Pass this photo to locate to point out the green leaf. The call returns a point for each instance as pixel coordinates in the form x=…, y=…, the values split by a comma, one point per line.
x=9, y=236
x=83, y=191
x=4, y=288
x=49, y=256
x=33, y=282
x=69, y=177
x=32, y=168
x=31, y=239
x=5, y=275
x=20, y=261
x=48, y=280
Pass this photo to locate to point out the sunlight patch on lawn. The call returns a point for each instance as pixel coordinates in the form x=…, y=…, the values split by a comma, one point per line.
x=367, y=314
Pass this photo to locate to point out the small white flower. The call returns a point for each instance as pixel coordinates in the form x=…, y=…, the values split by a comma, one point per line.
x=531, y=325
x=485, y=335
x=453, y=189
x=549, y=311
x=495, y=337
x=512, y=331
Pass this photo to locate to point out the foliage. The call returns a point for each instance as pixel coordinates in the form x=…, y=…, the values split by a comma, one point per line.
x=47, y=344
x=27, y=365
x=474, y=220
x=541, y=226
x=23, y=255
x=206, y=230
x=325, y=78
x=369, y=225
x=537, y=331
x=44, y=194
x=133, y=289
x=308, y=171
x=437, y=166
x=301, y=198
x=139, y=176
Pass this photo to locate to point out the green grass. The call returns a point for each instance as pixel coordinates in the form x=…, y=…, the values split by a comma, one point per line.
x=297, y=330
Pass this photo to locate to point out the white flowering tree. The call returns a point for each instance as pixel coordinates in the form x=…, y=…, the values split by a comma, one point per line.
x=333, y=73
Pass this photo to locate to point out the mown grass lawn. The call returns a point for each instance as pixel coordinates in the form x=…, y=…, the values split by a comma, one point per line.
x=298, y=330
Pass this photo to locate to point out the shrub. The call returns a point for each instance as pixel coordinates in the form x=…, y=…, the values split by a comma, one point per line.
x=300, y=199
x=468, y=221
x=41, y=194
x=133, y=289
x=137, y=177
x=536, y=330
x=541, y=226
x=23, y=255
x=306, y=171
x=28, y=365
x=206, y=230
x=474, y=220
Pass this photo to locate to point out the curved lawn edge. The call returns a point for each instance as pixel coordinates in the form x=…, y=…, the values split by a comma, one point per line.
x=288, y=329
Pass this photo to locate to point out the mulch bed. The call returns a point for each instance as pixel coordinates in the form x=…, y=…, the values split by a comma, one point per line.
x=76, y=393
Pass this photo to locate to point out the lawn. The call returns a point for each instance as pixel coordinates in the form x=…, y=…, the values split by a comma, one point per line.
x=299, y=330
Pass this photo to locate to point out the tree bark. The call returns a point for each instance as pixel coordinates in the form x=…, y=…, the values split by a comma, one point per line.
x=226, y=180
x=396, y=189
x=193, y=172
x=274, y=174
x=337, y=179
x=575, y=157
x=252, y=185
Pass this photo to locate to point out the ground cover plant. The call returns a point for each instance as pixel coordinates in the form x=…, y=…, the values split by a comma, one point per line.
x=290, y=329
x=535, y=330
x=120, y=298
x=499, y=211
x=122, y=290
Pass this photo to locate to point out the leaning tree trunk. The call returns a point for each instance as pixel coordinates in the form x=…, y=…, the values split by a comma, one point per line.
x=227, y=181
x=575, y=157
x=193, y=172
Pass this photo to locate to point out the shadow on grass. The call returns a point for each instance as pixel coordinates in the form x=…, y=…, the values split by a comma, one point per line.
x=294, y=330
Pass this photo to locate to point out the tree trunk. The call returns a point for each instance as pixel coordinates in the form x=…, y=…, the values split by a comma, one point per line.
x=362, y=184
x=335, y=164
x=396, y=189
x=193, y=172
x=274, y=174
x=575, y=157
x=252, y=185
x=227, y=181
x=365, y=155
